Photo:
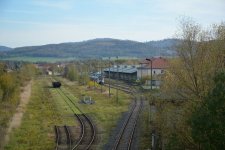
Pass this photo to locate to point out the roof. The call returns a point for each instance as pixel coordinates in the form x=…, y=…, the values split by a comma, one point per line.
x=122, y=69
x=157, y=63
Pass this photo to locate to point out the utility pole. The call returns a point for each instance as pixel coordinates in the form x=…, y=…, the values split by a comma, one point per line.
x=151, y=74
x=101, y=74
x=101, y=77
x=109, y=77
x=117, y=98
x=151, y=70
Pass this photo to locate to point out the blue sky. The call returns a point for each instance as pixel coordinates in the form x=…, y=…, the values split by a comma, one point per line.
x=36, y=22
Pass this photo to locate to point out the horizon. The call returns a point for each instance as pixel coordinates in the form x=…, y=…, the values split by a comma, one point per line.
x=91, y=40
x=41, y=22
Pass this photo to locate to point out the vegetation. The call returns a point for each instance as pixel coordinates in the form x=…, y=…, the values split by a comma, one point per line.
x=144, y=141
x=78, y=72
x=201, y=57
x=10, y=83
x=37, y=128
x=35, y=59
x=207, y=120
x=71, y=73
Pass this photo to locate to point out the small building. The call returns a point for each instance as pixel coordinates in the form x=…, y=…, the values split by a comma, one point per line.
x=122, y=72
x=159, y=65
x=48, y=72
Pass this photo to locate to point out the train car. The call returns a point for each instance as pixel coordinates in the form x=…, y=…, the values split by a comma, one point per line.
x=97, y=77
x=101, y=81
x=56, y=84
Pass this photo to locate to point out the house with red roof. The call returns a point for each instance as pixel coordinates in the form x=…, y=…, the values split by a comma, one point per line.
x=155, y=65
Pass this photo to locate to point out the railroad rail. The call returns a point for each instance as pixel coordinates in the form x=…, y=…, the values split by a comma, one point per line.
x=125, y=136
x=88, y=133
x=120, y=87
x=63, y=138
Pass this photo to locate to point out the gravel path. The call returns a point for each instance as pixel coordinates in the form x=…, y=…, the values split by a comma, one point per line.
x=20, y=110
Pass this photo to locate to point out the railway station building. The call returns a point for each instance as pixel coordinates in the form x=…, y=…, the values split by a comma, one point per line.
x=122, y=72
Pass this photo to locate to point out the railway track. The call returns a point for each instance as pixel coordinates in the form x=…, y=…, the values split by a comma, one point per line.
x=87, y=129
x=63, y=138
x=125, y=136
x=121, y=87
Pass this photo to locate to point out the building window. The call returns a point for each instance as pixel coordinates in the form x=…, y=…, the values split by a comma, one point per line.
x=162, y=71
x=154, y=72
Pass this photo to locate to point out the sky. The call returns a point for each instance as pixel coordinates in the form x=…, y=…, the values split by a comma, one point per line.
x=38, y=22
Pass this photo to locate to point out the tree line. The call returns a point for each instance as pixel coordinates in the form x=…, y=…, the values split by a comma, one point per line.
x=195, y=83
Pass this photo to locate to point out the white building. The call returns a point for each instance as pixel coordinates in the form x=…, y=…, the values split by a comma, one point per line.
x=159, y=66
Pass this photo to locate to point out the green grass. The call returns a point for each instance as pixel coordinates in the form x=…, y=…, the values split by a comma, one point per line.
x=145, y=139
x=65, y=102
x=7, y=110
x=36, y=131
x=39, y=59
x=48, y=108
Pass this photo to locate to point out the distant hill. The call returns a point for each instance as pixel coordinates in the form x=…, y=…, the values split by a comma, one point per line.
x=4, y=48
x=103, y=47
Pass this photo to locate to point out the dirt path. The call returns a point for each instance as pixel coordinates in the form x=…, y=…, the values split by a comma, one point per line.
x=17, y=117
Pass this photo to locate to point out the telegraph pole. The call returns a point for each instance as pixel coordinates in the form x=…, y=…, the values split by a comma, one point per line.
x=151, y=70
x=101, y=74
x=109, y=77
x=117, y=98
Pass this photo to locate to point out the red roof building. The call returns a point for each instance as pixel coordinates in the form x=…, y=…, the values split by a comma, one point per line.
x=159, y=65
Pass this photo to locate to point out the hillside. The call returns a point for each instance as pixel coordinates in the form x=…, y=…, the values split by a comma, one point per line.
x=103, y=47
x=4, y=48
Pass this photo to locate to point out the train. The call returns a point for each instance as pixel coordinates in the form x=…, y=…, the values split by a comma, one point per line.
x=56, y=84
x=97, y=77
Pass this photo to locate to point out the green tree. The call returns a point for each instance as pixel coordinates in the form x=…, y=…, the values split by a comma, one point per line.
x=71, y=72
x=207, y=121
x=7, y=85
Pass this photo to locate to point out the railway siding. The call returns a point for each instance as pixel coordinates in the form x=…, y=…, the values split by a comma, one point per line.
x=87, y=129
x=125, y=136
x=105, y=112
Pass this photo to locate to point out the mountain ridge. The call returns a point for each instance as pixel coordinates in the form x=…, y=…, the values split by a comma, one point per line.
x=5, y=48
x=99, y=47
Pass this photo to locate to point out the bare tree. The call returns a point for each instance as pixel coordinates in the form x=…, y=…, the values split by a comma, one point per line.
x=200, y=56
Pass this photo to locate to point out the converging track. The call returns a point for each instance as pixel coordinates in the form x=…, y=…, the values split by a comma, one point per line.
x=123, y=88
x=125, y=137
x=87, y=129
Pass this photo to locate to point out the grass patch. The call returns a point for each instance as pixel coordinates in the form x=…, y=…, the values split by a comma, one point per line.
x=64, y=104
x=7, y=109
x=39, y=59
x=48, y=108
x=36, y=131
x=145, y=139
